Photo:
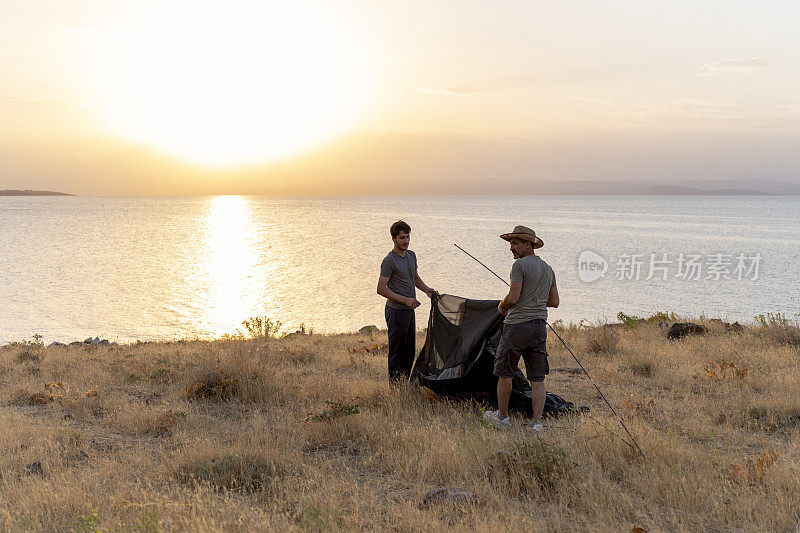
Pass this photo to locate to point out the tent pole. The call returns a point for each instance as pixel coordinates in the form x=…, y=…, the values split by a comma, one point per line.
x=573, y=356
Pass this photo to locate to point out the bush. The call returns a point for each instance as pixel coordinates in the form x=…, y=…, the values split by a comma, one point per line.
x=233, y=375
x=630, y=321
x=262, y=327
x=782, y=335
x=773, y=420
x=661, y=316
x=529, y=466
x=32, y=355
x=771, y=320
x=215, y=385
x=601, y=340
x=335, y=409
x=240, y=472
x=641, y=367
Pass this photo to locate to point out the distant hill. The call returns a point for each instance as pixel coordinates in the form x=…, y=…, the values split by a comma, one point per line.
x=28, y=192
x=643, y=188
x=571, y=187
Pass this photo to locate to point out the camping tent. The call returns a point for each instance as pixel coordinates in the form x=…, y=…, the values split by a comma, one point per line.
x=458, y=355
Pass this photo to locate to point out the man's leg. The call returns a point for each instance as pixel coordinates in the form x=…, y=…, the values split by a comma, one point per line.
x=503, y=394
x=401, y=355
x=395, y=342
x=538, y=396
x=505, y=364
x=409, y=344
x=536, y=368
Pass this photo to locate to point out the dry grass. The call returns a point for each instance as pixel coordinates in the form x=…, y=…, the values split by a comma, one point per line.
x=304, y=433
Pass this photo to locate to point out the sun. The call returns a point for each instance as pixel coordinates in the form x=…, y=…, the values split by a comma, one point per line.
x=233, y=83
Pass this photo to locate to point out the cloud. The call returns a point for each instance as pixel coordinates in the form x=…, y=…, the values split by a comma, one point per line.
x=450, y=91
x=752, y=64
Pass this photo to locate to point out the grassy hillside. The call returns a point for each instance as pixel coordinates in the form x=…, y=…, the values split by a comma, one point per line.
x=304, y=433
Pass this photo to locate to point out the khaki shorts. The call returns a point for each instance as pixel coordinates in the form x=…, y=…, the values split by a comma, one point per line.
x=527, y=340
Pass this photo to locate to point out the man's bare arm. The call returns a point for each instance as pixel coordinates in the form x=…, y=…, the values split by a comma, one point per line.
x=418, y=283
x=511, y=298
x=552, y=298
x=386, y=292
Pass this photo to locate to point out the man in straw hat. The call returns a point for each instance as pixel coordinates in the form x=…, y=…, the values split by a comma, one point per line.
x=396, y=283
x=532, y=291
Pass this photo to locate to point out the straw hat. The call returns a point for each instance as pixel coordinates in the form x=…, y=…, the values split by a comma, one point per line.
x=524, y=233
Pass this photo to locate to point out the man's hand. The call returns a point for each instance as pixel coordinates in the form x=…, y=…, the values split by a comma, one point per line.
x=413, y=303
x=430, y=292
x=502, y=310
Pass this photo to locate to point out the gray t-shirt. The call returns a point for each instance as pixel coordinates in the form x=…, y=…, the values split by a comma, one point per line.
x=400, y=271
x=537, y=277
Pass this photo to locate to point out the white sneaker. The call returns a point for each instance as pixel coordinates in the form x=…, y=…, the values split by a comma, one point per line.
x=534, y=428
x=493, y=417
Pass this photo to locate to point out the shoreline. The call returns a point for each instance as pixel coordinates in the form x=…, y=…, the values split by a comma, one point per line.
x=664, y=320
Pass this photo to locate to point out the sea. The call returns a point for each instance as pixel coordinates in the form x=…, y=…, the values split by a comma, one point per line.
x=167, y=268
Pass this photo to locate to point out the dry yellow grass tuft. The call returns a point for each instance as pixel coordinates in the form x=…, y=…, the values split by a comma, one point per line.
x=722, y=369
x=754, y=470
x=304, y=433
x=603, y=340
x=244, y=471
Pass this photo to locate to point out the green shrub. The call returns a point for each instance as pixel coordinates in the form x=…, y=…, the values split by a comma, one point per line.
x=336, y=409
x=630, y=321
x=661, y=316
x=770, y=320
x=262, y=327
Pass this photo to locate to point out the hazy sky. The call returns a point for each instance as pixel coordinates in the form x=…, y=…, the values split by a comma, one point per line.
x=100, y=97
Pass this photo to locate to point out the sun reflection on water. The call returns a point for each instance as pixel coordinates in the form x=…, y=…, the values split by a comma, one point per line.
x=233, y=290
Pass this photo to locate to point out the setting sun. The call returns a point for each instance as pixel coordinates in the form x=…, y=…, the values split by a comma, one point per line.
x=223, y=87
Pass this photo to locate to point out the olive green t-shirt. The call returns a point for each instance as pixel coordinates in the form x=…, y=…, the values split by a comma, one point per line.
x=537, y=277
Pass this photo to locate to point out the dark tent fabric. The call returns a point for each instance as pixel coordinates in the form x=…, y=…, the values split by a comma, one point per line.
x=458, y=355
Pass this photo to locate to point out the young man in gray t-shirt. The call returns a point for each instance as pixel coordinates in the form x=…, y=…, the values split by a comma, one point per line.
x=532, y=290
x=396, y=283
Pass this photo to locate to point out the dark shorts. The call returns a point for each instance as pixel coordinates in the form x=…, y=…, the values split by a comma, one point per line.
x=527, y=340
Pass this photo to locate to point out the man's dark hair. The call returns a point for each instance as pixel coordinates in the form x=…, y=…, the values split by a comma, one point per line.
x=399, y=226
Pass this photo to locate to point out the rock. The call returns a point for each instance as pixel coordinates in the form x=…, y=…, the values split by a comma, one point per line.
x=104, y=342
x=680, y=330
x=87, y=341
x=76, y=343
x=448, y=495
x=369, y=329
x=733, y=328
x=55, y=343
x=35, y=469
x=96, y=340
x=727, y=327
